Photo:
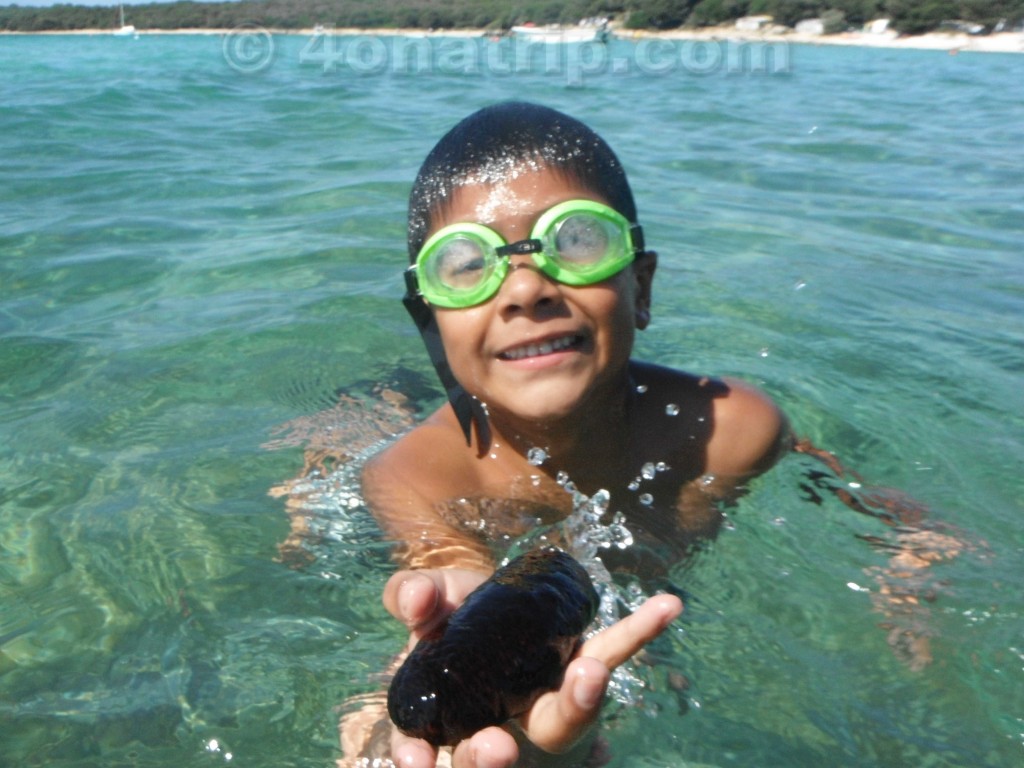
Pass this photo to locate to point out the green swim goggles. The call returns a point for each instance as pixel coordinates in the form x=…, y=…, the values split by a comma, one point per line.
x=578, y=242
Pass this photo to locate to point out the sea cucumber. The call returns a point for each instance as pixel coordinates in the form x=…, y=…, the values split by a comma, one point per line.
x=505, y=645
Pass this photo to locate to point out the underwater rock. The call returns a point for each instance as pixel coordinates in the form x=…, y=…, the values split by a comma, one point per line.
x=505, y=645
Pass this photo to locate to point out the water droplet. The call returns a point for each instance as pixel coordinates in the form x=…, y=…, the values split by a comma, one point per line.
x=799, y=285
x=707, y=479
x=535, y=480
x=646, y=499
x=672, y=409
x=764, y=352
x=647, y=471
x=641, y=388
x=562, y=477
x=635, y=485
x=536, y=456
x=661, y=466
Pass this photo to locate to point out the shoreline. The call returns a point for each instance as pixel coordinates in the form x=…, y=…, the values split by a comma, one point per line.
x=952, y=42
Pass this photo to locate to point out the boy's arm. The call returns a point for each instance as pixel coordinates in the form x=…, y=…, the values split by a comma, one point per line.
x=904, y=586
x=407, y=486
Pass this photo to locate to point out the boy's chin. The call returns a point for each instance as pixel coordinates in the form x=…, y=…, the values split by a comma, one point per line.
x=542, y=413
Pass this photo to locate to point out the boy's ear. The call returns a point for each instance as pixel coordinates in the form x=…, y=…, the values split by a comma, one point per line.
x=643, y=272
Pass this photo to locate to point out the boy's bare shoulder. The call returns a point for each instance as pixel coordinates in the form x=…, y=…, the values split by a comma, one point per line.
x=423, y=465
x=751, y=432
x=746, y=430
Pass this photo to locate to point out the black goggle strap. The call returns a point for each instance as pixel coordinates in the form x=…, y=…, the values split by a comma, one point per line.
x=467, y=408
x=636, y=234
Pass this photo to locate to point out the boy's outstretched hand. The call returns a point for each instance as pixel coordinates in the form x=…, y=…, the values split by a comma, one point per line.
x=558, y=719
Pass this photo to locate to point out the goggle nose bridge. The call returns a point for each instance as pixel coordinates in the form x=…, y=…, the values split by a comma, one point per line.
x=520, y=247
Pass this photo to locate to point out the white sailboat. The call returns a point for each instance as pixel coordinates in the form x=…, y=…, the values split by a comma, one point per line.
x=125, y=30
x=588, y=30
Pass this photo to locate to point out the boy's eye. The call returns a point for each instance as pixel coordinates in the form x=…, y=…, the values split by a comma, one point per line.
x=582, y=239
x=459, y=263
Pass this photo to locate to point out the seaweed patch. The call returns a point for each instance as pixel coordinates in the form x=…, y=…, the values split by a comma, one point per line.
x=508, y=643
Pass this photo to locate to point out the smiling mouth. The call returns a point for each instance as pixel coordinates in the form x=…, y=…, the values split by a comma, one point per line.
x=542, y=348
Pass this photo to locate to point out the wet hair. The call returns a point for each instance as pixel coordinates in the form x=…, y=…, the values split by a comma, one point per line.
x=508, y=138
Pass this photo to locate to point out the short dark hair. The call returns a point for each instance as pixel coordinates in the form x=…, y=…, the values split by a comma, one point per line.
x=498, y=138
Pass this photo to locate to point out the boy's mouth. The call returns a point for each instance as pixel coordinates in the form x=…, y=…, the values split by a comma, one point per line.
x=546, y=347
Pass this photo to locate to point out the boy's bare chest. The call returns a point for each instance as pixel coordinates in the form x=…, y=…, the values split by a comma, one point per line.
x=662, y=513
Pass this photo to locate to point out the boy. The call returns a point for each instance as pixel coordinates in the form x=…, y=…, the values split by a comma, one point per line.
x=530, y=277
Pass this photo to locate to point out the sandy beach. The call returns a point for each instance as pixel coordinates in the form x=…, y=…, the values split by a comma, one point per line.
x=1003, y=42
x=953, y=42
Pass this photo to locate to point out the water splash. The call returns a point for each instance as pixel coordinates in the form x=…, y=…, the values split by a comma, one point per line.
x=536, y=456
x=586, y=534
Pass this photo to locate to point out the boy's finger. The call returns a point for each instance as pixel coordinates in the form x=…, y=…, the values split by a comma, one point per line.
x=412, y=597
x=558, y=719
x=490, y=748
x=422, y=597
x=412, y=753
x=621, y=640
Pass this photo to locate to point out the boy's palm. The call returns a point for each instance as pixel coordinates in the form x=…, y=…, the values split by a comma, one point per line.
x=558, y=719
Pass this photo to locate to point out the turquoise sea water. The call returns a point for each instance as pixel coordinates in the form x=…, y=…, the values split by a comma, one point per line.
x=199, y=245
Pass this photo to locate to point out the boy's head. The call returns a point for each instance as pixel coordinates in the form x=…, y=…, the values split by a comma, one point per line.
x=500, y=148
x=503, y=139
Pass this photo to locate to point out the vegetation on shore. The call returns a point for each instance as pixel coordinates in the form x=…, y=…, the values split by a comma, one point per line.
x=907, y=16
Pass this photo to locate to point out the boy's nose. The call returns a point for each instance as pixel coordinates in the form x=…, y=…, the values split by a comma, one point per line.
x=525, y=287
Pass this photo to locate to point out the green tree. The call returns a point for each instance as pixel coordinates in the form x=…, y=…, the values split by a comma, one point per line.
x=659, y=14
x=914, y=18
x=711, y=12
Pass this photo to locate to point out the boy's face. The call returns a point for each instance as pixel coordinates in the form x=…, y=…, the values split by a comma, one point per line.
x=539, y=350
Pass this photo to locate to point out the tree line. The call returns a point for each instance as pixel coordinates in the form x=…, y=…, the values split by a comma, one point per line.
x=907, y=16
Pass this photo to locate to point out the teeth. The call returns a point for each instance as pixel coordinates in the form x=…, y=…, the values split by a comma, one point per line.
x=544, y=348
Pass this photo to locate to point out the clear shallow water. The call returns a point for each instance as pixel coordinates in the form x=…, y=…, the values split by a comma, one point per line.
x=191, y=257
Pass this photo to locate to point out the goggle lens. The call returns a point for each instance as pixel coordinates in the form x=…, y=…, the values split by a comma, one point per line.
x=460, y=264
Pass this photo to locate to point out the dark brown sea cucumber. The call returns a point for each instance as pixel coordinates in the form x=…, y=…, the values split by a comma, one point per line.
x=506, y=644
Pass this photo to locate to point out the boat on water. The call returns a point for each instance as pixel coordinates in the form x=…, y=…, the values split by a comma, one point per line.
x=586, y=31
x=125, y=30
